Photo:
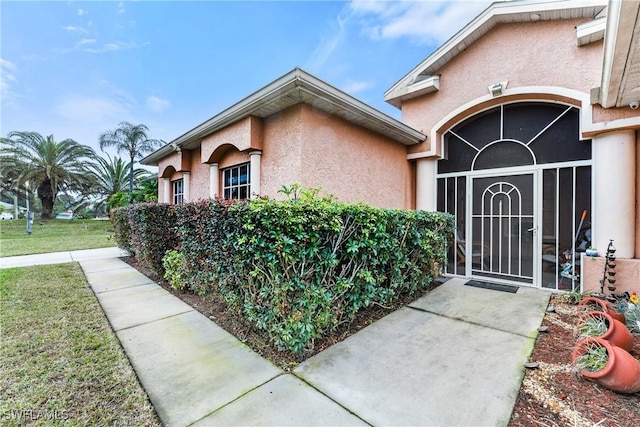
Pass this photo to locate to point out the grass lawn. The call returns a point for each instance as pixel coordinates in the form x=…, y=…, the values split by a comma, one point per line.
x=53, y=236
x=61, y=362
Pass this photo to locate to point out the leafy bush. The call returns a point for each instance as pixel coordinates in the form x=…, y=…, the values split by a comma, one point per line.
x=174, y=272
x=148, y=232
x=122, y=229
x=297, y=269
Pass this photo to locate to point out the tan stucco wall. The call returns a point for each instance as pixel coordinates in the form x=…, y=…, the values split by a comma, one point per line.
x=304, y=146
x=627, y=274
x=282, y=148
x=170, y=164
x=233, y=158
x=352, y=163
x=243, y=135
x=199, y=188
x=539, y=54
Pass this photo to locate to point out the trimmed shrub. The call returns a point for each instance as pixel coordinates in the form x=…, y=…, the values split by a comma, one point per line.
x=121, y=229
x=297, y=269
x=148, y=232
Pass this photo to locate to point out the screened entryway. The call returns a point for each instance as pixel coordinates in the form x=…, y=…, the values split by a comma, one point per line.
x=517, y=178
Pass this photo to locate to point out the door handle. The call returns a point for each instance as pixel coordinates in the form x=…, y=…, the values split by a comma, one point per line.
x=532, y=229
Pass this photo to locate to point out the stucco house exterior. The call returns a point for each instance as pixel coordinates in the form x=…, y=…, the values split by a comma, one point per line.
x=524, y=125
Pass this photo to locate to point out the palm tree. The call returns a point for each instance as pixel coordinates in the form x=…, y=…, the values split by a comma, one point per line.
x=131, y=139
x=109, y=176
x=48, y=165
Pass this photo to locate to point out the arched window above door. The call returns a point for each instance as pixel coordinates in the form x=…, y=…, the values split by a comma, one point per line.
x=515, y=135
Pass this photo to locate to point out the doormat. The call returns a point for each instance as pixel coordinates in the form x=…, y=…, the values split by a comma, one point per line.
x=493, y=286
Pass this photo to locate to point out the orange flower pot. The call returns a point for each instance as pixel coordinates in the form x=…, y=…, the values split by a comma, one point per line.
x=603, y=305
x=617, y=332
x=620, y=374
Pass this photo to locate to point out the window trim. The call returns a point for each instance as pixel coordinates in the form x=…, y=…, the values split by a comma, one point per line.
x=177, y=187
x=235, y=191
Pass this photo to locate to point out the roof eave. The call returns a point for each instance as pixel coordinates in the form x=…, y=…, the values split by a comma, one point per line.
x=304, y=83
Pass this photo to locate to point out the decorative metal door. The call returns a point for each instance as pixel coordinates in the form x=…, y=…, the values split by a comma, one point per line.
x=503, y=227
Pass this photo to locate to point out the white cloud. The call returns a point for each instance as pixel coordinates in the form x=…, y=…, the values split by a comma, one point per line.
x=82, y=12
x=115, y=46
x=81, y=108
x=327, y=45
x=156, y=104
x=72, y=29
x=7, y=81
x=353, y=87
x=86, y=41
x=422, y=22
x=121, y=8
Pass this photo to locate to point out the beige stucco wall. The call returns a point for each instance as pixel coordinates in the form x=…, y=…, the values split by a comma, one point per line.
x=353, y=163
x=199, y=188
x=170, y=164
x=304, y=146
x=243, y=135
x=538, y=54
x=627, y=274
x=282, y=148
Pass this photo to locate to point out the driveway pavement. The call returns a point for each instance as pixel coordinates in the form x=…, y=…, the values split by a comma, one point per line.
x=451, y=358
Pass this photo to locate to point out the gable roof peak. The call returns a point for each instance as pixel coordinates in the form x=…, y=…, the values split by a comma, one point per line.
x=497, y=13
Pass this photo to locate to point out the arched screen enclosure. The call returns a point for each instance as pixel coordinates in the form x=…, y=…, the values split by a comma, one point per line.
x=517, y=178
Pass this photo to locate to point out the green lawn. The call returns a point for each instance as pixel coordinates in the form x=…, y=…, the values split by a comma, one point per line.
x=60, y=362
x=53, y=236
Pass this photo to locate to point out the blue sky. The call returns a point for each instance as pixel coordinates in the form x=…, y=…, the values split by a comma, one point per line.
x=77, y=69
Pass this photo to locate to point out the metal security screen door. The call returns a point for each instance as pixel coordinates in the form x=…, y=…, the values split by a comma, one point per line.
x=517, y=179
x=502, y=227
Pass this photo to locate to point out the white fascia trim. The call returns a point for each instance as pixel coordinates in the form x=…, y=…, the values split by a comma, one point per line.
x=328, y=93
x=591, y=31
x=586, y=112
x=295, y=80
x=426, y=85
x=617, y=45
x=492, y=15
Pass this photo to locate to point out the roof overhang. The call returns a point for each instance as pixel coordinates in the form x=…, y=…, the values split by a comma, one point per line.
x=411, y=85
x=620, y=85
x=294, y=88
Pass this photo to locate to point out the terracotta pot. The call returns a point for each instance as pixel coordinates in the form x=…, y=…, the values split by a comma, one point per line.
x=622, y=371
x=603, y=305
x=617, y=333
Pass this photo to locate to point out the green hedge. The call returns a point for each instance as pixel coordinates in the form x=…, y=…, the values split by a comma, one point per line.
x=147, y=231
x=300, y=268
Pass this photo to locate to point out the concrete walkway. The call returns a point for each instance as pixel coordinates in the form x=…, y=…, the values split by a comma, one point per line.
x=61, y=257
x=451, y=358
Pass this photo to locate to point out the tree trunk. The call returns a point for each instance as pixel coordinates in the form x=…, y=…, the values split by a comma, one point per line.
x=46, y=196
x=131, y=180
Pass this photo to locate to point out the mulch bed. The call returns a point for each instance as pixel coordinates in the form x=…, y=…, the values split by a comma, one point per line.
x=554, y=394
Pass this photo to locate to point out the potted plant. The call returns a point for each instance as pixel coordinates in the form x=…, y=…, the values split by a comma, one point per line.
x=593, y=303
x=600, y=324
x=607, y=364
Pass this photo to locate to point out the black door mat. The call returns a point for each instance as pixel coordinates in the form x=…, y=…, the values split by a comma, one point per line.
x=493, y=286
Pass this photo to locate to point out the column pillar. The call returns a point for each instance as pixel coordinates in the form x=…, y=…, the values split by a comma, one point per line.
x=425, y=184
x=186, y=178
x=614, y=190
x=255, y=157
x=214, y=180
x=166, y=190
